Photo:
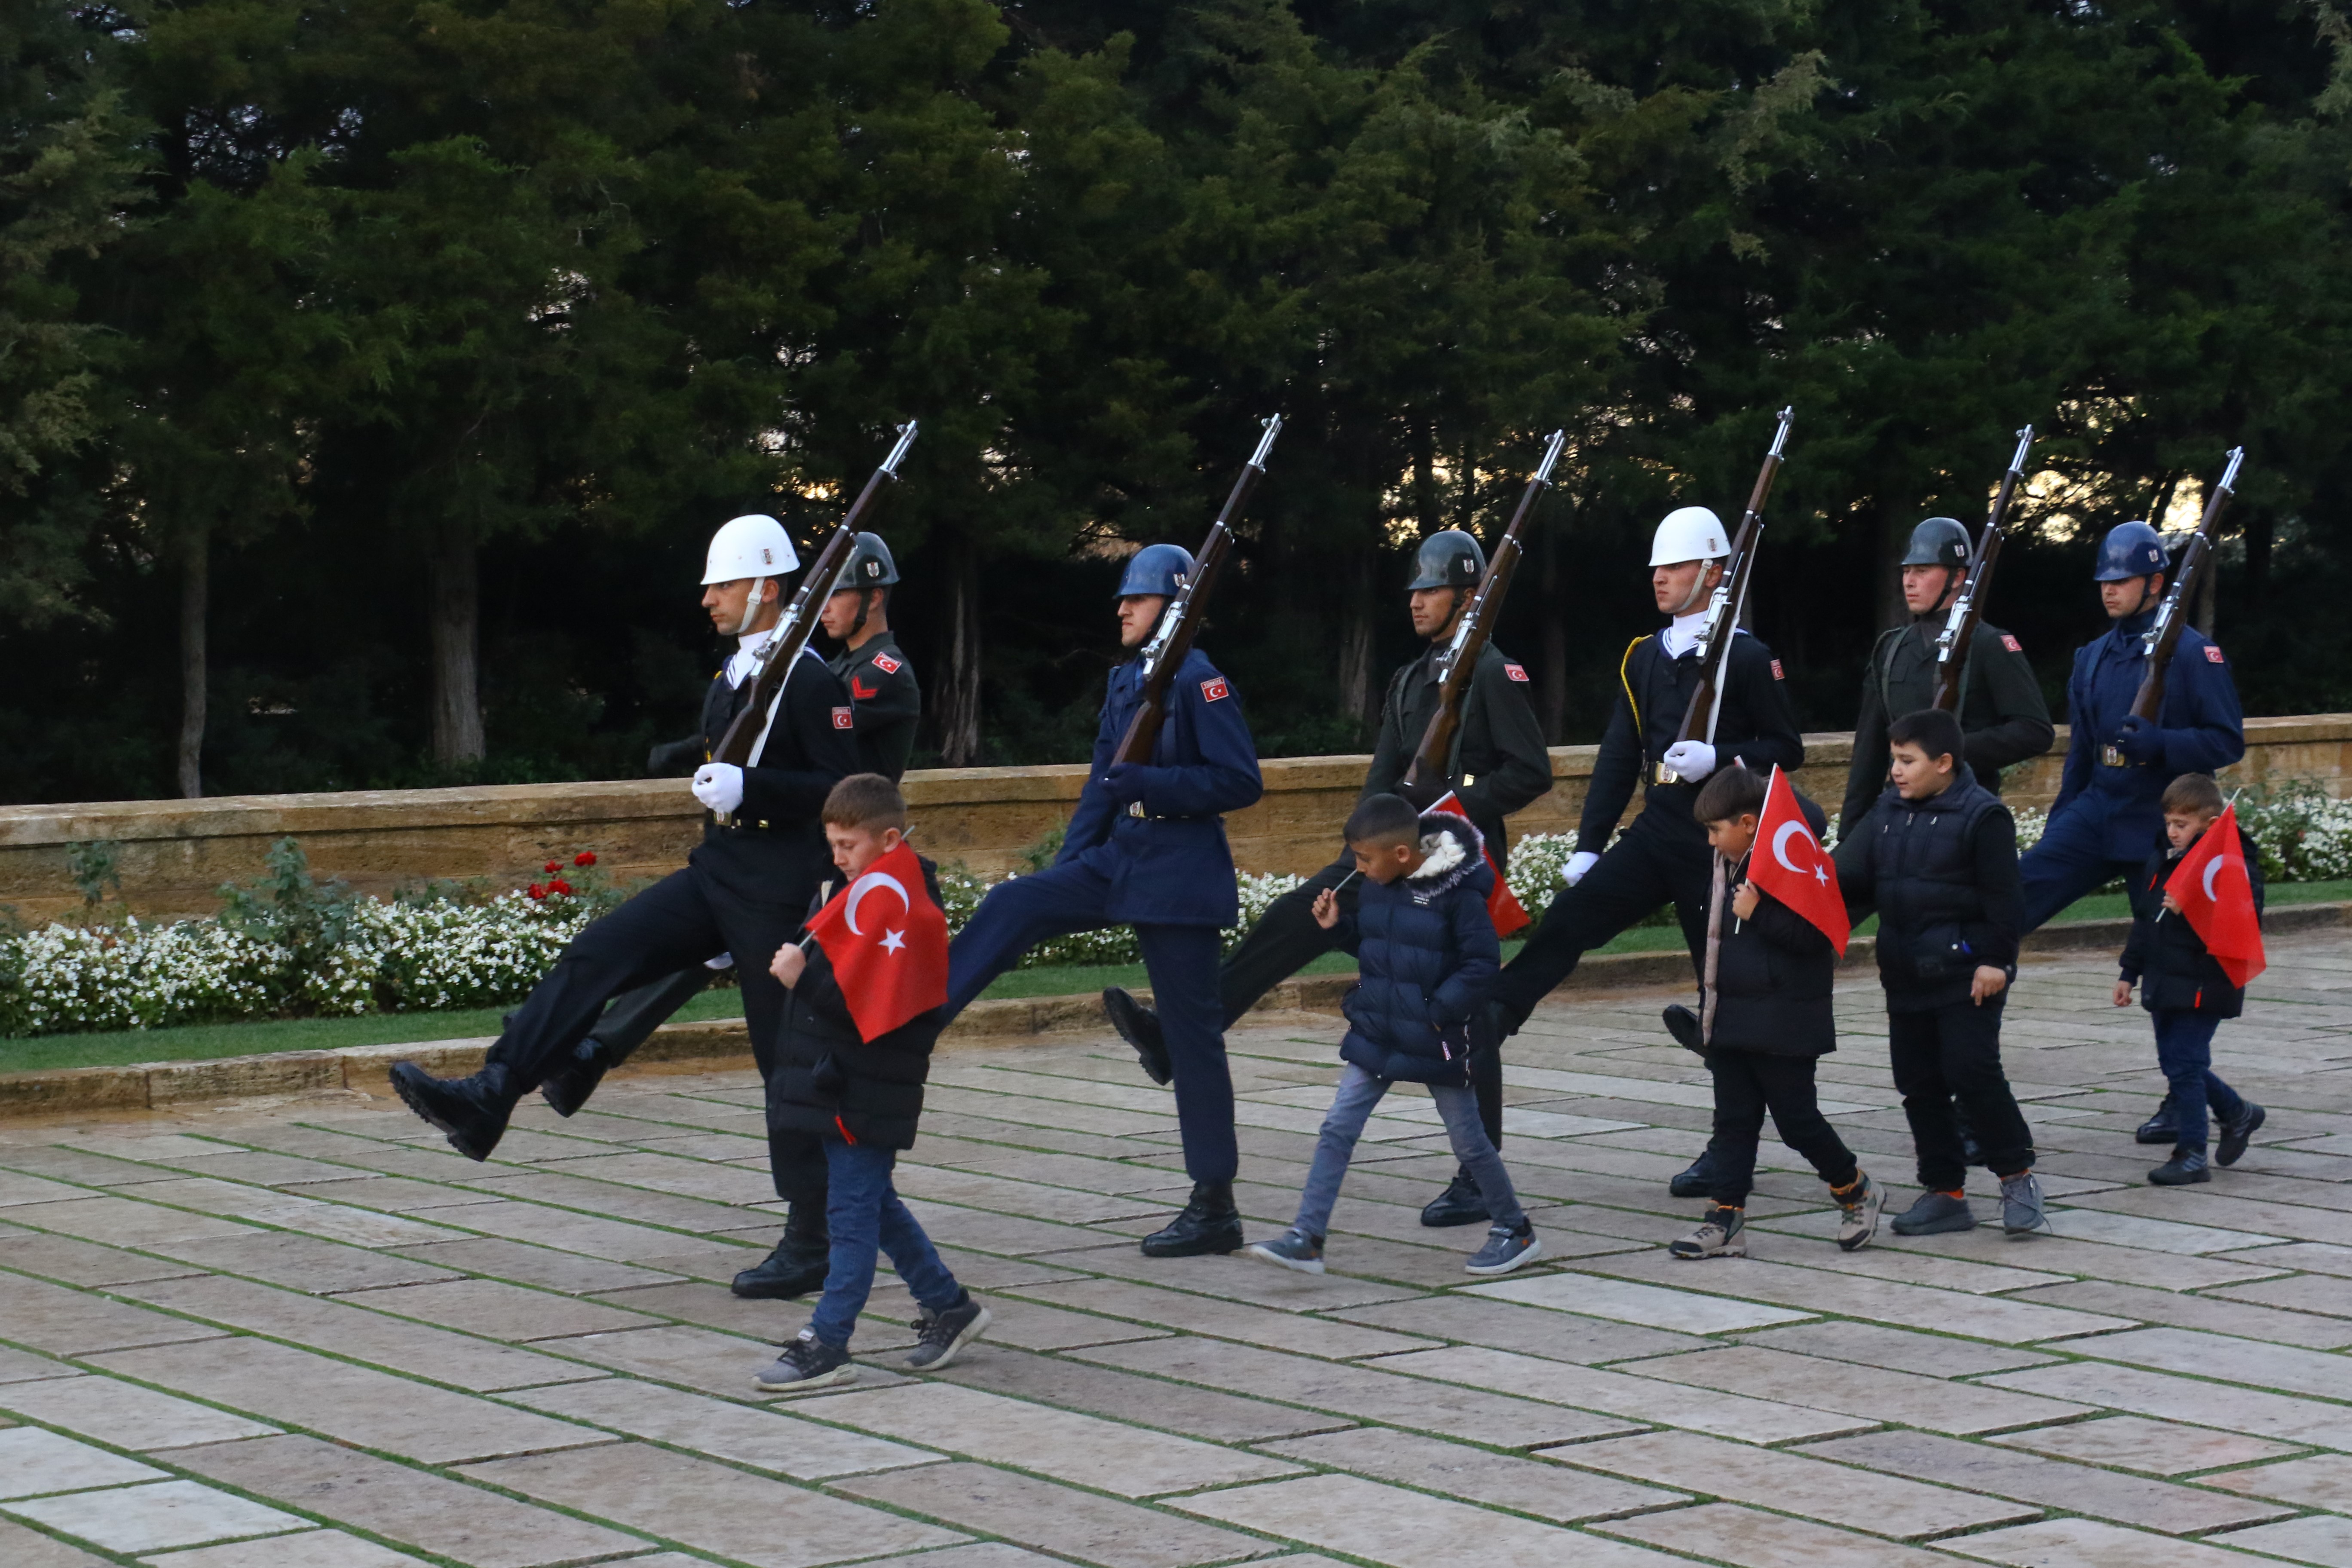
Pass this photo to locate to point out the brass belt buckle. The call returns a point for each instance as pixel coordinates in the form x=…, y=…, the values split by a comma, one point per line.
x=2110, y=757
x=1664, y=774
x=1135, y=808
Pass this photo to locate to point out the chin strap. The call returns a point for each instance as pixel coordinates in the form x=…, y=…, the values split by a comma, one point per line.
x=1700, y=589
x=752, y=602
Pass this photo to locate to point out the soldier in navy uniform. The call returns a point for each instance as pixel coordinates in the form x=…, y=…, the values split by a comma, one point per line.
x=743, y=889
x=1499, y=763
x=1664, y=857
x=1147, y=848
x=880, y=679
x=2108, y=816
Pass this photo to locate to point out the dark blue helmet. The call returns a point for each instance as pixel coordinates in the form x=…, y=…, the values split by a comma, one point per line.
x=1161, y=568
x=2129, y=550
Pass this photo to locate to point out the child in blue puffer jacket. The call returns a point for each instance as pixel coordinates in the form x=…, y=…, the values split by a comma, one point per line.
x=1426, y=955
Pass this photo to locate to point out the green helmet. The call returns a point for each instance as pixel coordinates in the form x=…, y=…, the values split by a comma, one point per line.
x=1939, y=541
x=1451, y=559
x=870, y=566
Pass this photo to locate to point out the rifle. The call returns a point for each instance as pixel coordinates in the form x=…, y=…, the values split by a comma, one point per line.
x=2163, y=635
x=1180, y=623
x=1730, y=599
x=1959, y=633
x=783, y=649
x=1429, y=773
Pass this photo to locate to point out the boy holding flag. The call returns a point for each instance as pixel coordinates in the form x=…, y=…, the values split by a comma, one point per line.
x=2193, y=969
x=867, y=988
x=1775, y=926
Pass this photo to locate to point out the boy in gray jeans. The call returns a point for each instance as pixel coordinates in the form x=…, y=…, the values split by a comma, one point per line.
x=1426, y=954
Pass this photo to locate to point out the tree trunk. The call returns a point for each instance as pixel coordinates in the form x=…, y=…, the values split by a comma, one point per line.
x=959, y=694
x=195, y=598
x=2201, y=608
x=455, y=614
x=1356, y=689
x=1552, y=694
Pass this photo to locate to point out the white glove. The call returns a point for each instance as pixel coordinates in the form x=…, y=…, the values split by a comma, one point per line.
x=719, y=786
x=724, y=961
x=1691, y=760
x=1580, y=862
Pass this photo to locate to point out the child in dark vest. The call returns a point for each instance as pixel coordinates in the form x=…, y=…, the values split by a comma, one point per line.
x=1936, y=858
x=1426, y=955
x=863, y=1097
x=2186, y=991
x=1764, y=1020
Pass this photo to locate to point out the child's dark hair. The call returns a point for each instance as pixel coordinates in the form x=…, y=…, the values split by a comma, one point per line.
x=1931, y=729
x=1730, y=792
x=865, y=800
x=1383, y=819
x=2193, y=792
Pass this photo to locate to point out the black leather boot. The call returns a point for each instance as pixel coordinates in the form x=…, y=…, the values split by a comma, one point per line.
x=472, y=1112
x=1138, y=1025
x=1459, y=1204
x=1209, y=1222
x=1698, y=1180
x=798, y=1264
x=2164, y=1127
x=568, y=1088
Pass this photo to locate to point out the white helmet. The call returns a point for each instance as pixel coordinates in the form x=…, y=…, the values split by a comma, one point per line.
x=1689, y=534
x=752, y=545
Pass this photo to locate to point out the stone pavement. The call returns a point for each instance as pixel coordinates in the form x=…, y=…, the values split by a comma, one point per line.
x=306, y=1335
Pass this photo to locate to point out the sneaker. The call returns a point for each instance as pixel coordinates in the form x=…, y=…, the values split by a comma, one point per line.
x=2164, y=1127
x=1858, y=1214
x=2238, y=1131
x=1935, y=1214
x=1294, y=1248
x=809, y=1363
x=1505, y=1250
x=1698, y=1180
x=1459, y=1204
x=2021, y=1205
x=2186, y=1168
x=938, y=1336
x=1723, y=1234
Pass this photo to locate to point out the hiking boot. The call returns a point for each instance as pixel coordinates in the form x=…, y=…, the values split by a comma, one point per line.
x=472, y=1112
x=1505, y=1250
x=938, y=1336
x=2021, y=1205
x=1723, y=1234
x=1459, y=1204
x=1208, y=1223
x=1294, y=1248
x=1684, y=1025
x=1858, y=1210
x=2238, y=1131
x=1935, y=1214
x=1138, y=1025
x=569, y=1087
x=2186, y=1168
x=2164, y=1127
x=1697, y=1182
x=808, y=1363
x=796, y=1267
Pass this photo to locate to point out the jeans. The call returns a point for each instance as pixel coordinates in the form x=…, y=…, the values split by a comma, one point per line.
x=2184, y=1049
x=863, y=1210
x=1352, y=1107
x=1947, y=1052
x=1747, y=1084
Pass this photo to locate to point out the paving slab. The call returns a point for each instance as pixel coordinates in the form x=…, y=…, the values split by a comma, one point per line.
x=498, y=1311
x=2137, y=1443
x=1401, y=1529
x=23, y=1366
x=2321, y=1481
x=33, y=1462
x=153, y=1517
x=22, y=1546
x=2316, y=1538
x=124, y=1415
x=1061, y=1520
x=1726, y=1532
x=306, y=1263
x=763, y=1439
x=1897, y=1350
x=2089, y=1543
x=2177, y=1308
x=1475, y=1475
x=1236, y=1278
x=567, y=1273
x=1594, y=1296
x=1194, y=1412
x=52, y=1318
x=1873, y=1394
x=1293, y=1332
x=1530, y=1331
x=307, y=1549
x=2249, y=1362
x=2198, y=1403
x=72, y=1261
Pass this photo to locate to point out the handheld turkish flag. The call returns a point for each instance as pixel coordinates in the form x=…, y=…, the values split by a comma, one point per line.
x=2216, y=899
x=1787, y=862
x=1503, y=906
x=887, y=943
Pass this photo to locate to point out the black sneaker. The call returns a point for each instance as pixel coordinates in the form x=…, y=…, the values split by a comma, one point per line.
x=2164, y=1127
x=2238, y=1131
x=1459, y=1204
x=1138, y=1025
x=2186, y=1168
x=808, y=1363
x=1697, y=1182
x=472, y=1112
x=940, y=1335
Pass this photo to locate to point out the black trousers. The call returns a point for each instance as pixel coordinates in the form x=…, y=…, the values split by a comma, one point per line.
x=1747, y=1085
x=687, y=917
x=634, y=1016
x=1948, y=1052
x=1638, y=873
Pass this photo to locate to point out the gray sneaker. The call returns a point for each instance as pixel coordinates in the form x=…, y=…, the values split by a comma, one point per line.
x=1858, y=1214
x=1723, y=1234
x=1935, y=1214
x=808, y=1363
x=938, y=1336
x=1294, y=1248
x=2021, y=1205
x=1505, y=1250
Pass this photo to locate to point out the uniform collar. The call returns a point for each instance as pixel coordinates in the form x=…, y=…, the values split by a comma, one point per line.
x=2130, y=627
x=1684, y=635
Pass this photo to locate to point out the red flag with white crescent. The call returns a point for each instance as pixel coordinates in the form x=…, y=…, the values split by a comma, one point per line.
x=1503, y=906
x=1787, y=862
x=888, y=943
x=2216, y=899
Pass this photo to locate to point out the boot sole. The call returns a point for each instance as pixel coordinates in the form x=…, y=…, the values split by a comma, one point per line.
x=783, y=1290
x=459, y=1140
x=2170, y=1135
x=2196, y=1179
x=847, y=1372
x=955, y=1346
x=1297, y=1265
x=1205, y=1248
x=565, y=1104
x=1436, y=1218
x=1696, y=1256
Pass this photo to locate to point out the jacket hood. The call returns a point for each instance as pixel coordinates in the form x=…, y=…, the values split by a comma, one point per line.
x=1455, y=848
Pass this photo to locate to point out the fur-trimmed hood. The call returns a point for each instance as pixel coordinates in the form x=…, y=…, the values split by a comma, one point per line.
x=1454, y=850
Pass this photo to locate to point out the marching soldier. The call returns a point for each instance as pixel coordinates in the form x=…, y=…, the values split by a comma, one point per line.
x=743, y=890
x=2001, y=711
x=1499, y=764
x=1147, y=848
x=880, y=679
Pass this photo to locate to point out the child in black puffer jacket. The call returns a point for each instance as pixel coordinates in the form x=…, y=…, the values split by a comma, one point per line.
x=1427, y=955
x=2186, y=991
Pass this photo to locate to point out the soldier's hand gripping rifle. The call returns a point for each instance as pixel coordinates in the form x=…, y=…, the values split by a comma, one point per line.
x=1731, y=598
x=1180, y=622
x=2163, y=635
x=783, y=649
x=1429, y=776
x=1959, y=633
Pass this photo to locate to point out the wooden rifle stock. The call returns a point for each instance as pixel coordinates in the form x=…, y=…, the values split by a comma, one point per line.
x=1730, y=600
x=1431, y=774
x=1959, y=634
x=2159, y=641
x=783, y=649
x=1180, y=623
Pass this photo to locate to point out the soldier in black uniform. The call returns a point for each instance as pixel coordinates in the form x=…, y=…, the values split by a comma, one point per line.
x=1499, y=763
x=2001, y=714
x=880, y=679
x=743, y=891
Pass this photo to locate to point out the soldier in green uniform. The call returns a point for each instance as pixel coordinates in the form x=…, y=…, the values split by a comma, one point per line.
x=881, y=680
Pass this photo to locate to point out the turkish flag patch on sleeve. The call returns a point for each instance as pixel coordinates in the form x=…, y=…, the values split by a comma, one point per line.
x=887, y=665
x=2011, y=644
x=1216, y=690
x=2212, y=653
x=1517, y=672
x=1776, y=674
x=844, y=720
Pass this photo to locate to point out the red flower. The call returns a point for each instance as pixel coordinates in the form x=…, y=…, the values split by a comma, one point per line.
x=559, y=886
x=586, y=858
x=537, y=890
x=553, y=866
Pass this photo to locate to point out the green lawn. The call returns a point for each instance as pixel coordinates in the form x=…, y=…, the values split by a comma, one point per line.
x=206, y=1042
